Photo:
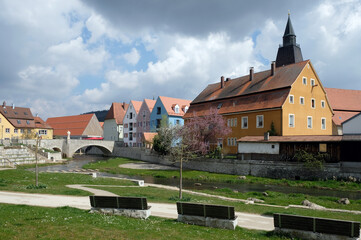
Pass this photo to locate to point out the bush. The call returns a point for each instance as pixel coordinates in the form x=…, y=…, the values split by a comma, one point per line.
x=310, y=160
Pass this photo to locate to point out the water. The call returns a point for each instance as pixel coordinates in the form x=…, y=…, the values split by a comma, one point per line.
x=81, y=160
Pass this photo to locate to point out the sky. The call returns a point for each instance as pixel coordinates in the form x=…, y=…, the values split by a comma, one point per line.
x=66, y=57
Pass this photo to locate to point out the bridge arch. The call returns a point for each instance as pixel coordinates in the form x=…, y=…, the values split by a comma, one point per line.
x=74, y=145
x=103, y=149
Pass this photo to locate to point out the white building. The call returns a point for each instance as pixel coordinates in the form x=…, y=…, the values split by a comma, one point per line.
x=113, y=123
x=130, y=123
x=352, y=125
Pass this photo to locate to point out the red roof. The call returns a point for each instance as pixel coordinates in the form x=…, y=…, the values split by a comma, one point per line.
x=150, y=103
x=240, y=94
x=117, y=111
x=344, y=99
x=19, y=117
x=136, y=105
x=148, y=136
x=304, y=138
x=75, y=124
x=342, y=116
x=169, y=104
x=40, y=123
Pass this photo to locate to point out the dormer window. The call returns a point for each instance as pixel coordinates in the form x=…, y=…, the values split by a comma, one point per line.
x=25, y=113
x=219, y=106
x=16, y=113
x=186, y=109
x=19, y=122
x=28, y=122
x=176, y=108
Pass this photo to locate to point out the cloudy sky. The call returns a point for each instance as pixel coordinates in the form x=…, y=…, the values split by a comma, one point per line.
x=64, y=57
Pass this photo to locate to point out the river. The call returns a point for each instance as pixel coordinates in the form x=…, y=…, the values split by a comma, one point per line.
x=80, y=160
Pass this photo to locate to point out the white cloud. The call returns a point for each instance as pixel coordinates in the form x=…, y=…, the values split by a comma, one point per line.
x=132, y=57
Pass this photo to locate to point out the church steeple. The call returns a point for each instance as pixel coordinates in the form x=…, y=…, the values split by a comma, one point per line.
x=290, y=51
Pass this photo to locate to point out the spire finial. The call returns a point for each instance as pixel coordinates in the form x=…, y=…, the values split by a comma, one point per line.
x=289, y=12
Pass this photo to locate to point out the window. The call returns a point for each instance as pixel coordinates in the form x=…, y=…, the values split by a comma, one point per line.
x=25, y=113
x=130, y=126
x=21, y=130
x=313, y=104
x=259, y=121
x=185, y=109
x=302, y=100
x=235, y=122
x=0, y=120
x=7, y=130
x=309, y=122
x=219, y=106
x=158, y=110
x=312, y=82
x=232, y=141
x=176, y=109
x=323, y=123
x=158, y=123
x=244, y=122
x=304, y=81
x=28, y=122
x=291, y=99
x=143, y=114
x=29, y=131
x=228, y=141
x=131, y=115
x=15, y=130
x=43, y=132
x=177, y=122
x=125, y=135
x=291, y=120
x=229, y=122
x=18, y=121
x=322, y=103
x=126, y=125
x=130, y=136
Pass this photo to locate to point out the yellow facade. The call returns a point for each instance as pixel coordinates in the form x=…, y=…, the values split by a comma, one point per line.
x=303, y=88
x=8, y=131
x=238, y=131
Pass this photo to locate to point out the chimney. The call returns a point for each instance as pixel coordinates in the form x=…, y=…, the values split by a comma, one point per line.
x=222, y=82
x=4, y=104
x=251, y=74
x=266, y=136
x=227, y=79
x=273, y=68
x=13, y=106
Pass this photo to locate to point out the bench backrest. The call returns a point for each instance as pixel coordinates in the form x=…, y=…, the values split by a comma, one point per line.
x=204, y=210
x=320, y=225
x=139, y=203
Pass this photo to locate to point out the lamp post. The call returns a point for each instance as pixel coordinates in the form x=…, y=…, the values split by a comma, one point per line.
x=36, y=160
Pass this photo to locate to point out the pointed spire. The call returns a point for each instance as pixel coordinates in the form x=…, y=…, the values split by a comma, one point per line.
x=290, y=51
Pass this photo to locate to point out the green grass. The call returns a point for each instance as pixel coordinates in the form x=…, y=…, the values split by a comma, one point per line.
x=18, y=180
x=112, y=166
x=170, y=196
x=26, y=222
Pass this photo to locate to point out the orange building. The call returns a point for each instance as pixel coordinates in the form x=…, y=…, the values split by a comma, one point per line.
x=287, y=100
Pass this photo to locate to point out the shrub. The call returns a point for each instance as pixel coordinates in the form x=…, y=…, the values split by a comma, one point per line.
x=32, y=186
x=311, y=161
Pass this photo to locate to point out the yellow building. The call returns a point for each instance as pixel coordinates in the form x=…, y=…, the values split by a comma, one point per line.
x=19, y=123
x=286, y=100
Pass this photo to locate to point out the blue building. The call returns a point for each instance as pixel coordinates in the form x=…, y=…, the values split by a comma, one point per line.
x=172, y=108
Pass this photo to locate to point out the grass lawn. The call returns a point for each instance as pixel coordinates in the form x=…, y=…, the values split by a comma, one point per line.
x=18, y=180
x=112, y=166
x=27, y=222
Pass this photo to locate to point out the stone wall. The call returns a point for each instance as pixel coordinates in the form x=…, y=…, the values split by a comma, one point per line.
x=260, y=168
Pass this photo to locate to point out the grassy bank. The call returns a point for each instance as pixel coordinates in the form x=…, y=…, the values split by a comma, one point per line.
x=112, y=166
x=20, y=180
x=25, y=222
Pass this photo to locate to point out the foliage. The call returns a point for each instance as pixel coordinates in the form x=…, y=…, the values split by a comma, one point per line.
x=176, y=198
x=310, y=160
x=166, y=137
x=216, y=153
x=272, y=131
x=28, y=134
x=199, y=132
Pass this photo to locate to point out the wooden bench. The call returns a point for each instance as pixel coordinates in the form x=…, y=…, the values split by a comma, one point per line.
x=302, y=226
x=217, y=216
x=127, y=206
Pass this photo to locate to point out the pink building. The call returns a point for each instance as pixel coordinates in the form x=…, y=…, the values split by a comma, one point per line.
x=143, y=120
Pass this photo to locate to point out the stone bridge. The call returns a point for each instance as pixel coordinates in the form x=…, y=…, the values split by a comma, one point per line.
x=69, y=146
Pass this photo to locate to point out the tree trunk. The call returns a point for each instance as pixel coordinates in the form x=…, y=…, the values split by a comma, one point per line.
x=180, y=178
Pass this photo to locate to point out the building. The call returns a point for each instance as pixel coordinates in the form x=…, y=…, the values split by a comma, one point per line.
x=346, y=105
x=173, y=109
x=43, y=129
x=79, y=126
x=143, y=121
x=288, y=99
x=130, y=123
x=113, y=123
x=19, y=123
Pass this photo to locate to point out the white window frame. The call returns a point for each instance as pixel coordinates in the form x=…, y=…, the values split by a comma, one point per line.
x=289, y=120
x=235, y=122
x=323, y=104
x=7, y=130
x=323, y=127
x=185, y=109
x=16, y=130
x=291, y=99
x=229, y=122
x=43, y=132
x=313, y=82
x=257, y=122
x=244, y=118
x=176, y=108
x=310, y=117
x=304, y=81
x=314, y=101
x=303, y=101
x=228, y=141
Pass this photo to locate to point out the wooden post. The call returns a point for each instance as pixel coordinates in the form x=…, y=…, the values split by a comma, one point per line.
x=36, y=161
